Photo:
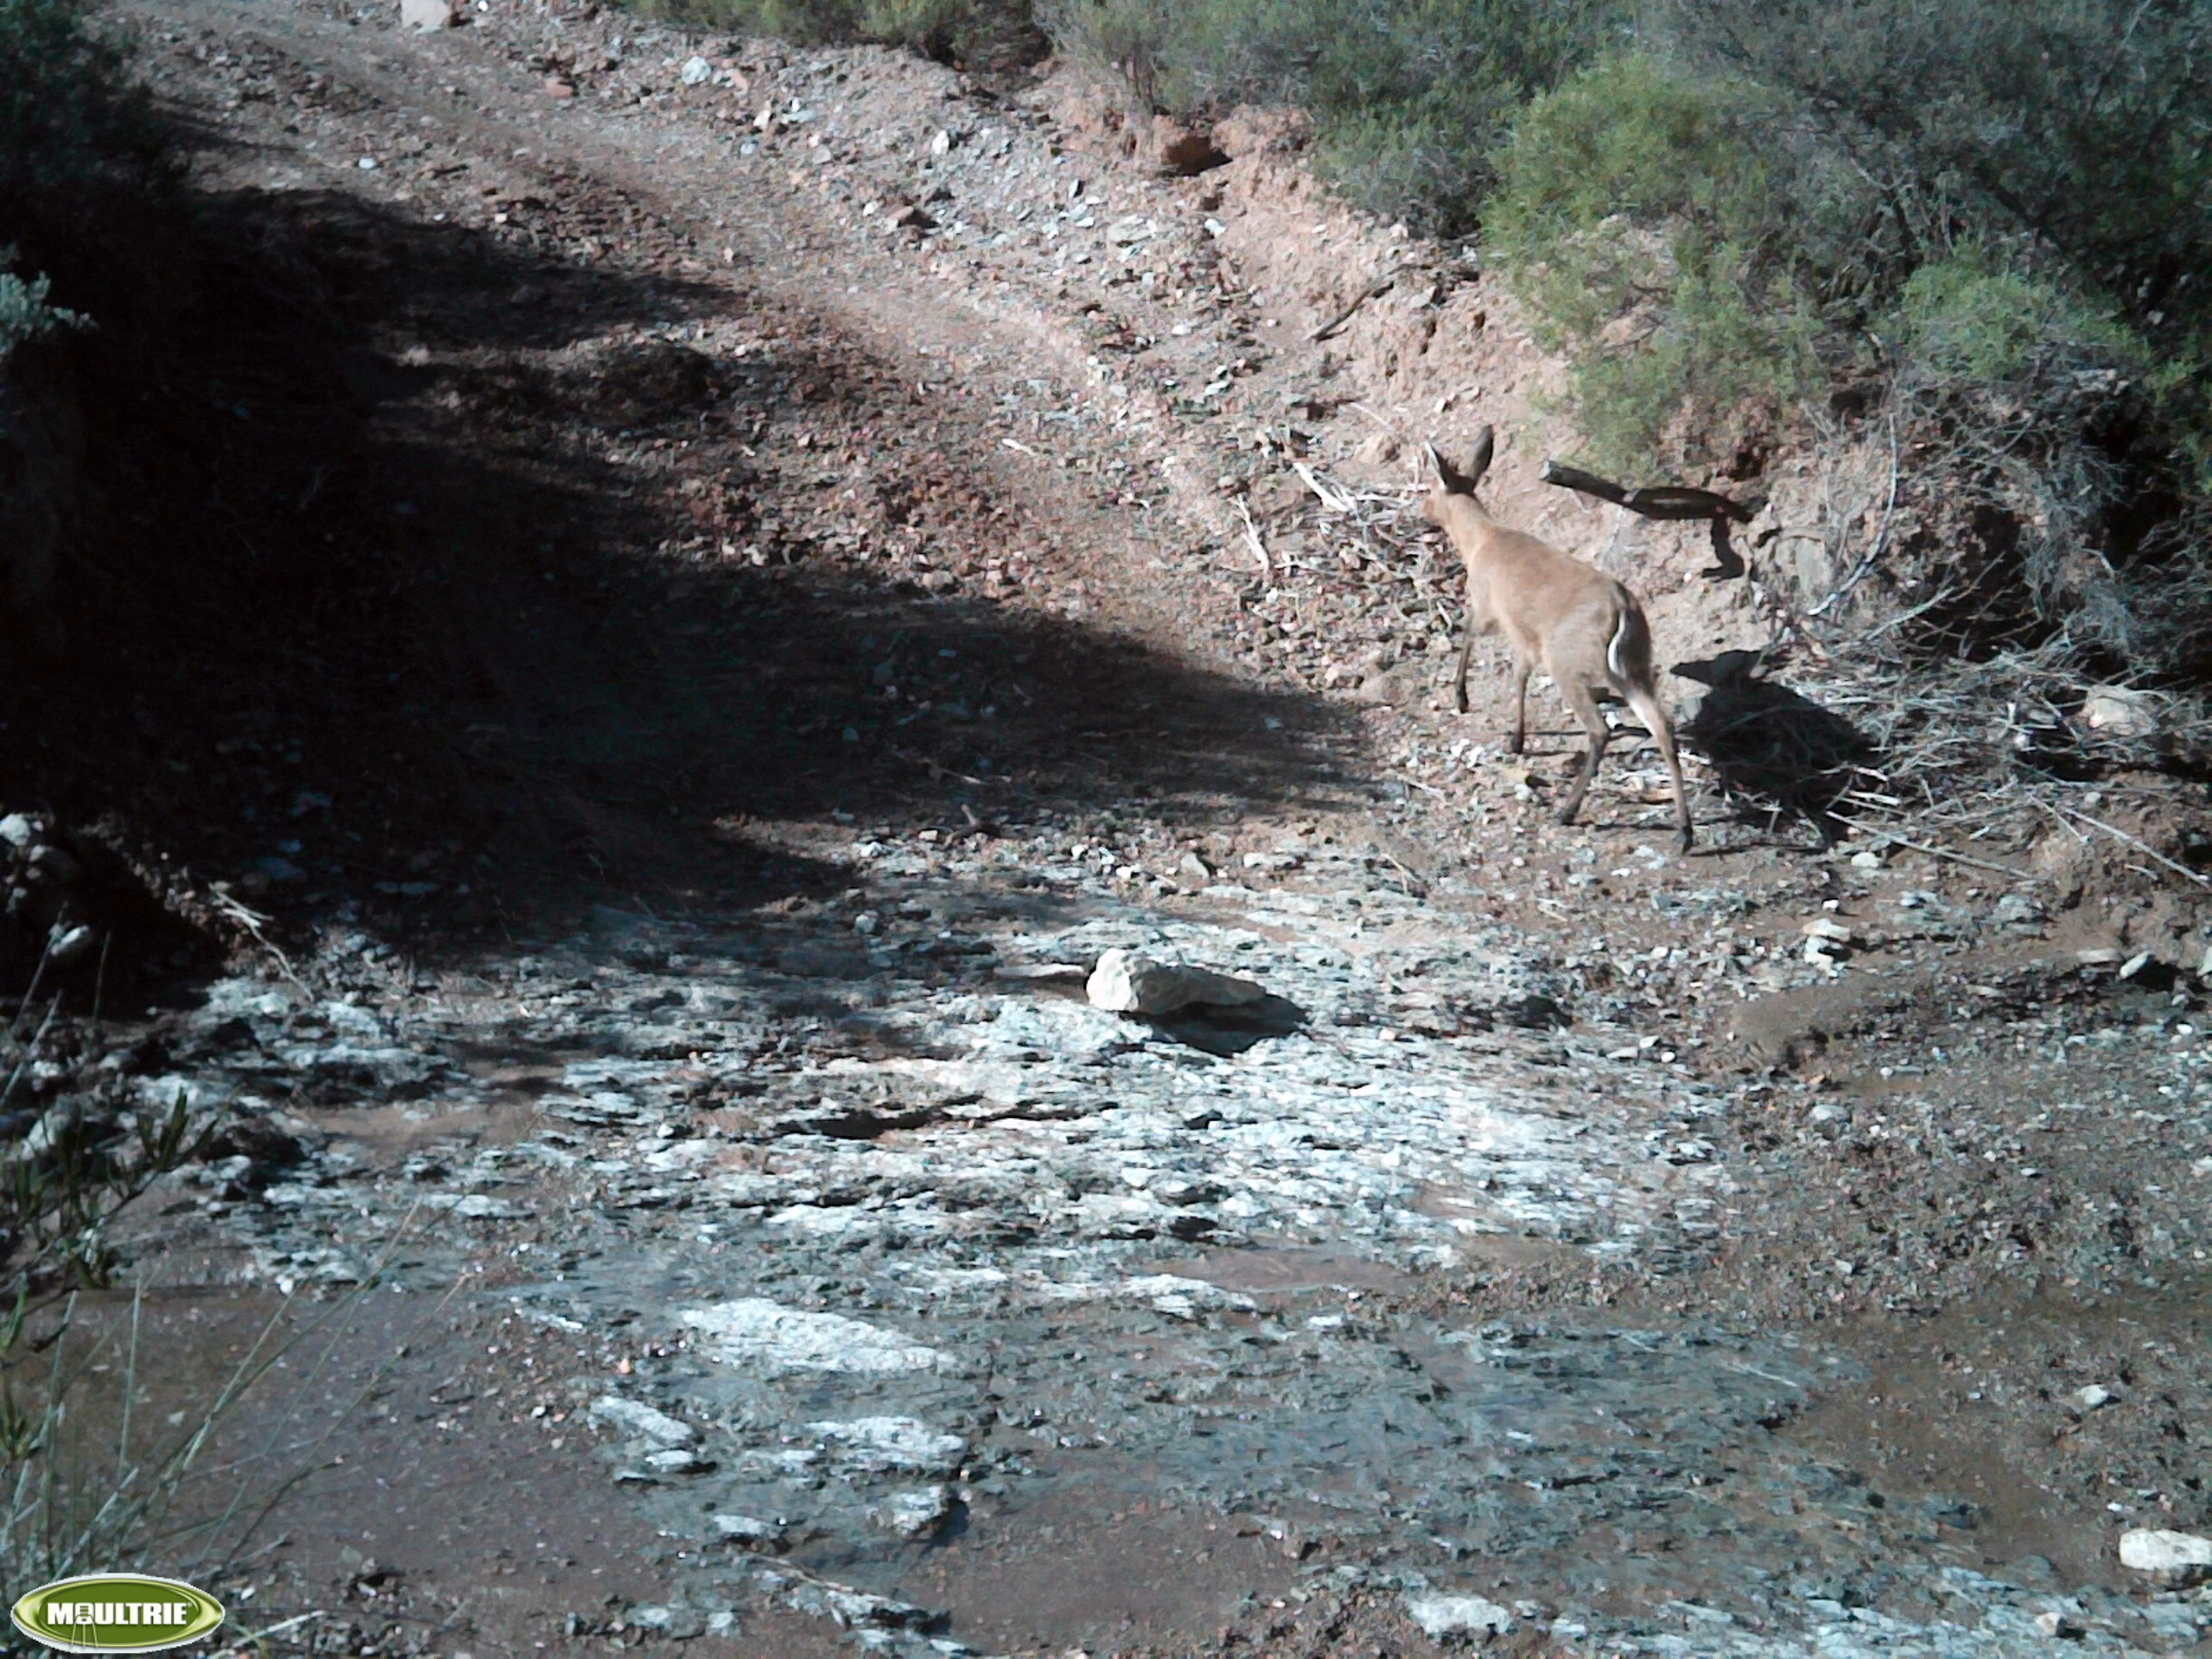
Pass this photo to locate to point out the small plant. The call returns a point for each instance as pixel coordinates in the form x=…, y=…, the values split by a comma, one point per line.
x=24, y=313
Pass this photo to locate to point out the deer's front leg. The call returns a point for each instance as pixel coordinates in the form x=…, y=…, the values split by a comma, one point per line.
x=1459, y=680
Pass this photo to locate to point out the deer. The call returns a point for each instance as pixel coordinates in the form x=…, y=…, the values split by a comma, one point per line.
x=1583, y=628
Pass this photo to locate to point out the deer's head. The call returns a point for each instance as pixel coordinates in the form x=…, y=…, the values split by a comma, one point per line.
x=1446, y=480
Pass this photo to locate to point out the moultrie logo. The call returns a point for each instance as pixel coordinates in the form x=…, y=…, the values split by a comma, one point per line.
x=117, y=1612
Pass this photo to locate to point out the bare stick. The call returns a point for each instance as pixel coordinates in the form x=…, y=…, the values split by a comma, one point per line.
x=2181, y=870
x=1345, y=315
x=1252, y=540
x=1659, y=501
x=1937, y=852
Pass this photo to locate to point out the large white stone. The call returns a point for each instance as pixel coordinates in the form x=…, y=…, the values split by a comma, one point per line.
x=1128, y=982
x=879, y=1444
x=2174, y=1559
x=762, y=1335
x=635, y=1417
x=913, y=1515
x=1442, y=1616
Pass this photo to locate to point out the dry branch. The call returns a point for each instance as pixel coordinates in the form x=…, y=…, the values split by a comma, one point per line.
x=1659, y=501
x=1373, y=291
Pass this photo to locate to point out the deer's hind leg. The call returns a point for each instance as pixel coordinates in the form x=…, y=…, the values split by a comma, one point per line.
x=1584, y=705
x=1519, y=739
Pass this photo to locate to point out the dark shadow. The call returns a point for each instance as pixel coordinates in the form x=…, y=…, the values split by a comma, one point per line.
x=1776, y=753
x=1226, y=1031
x=426, y=569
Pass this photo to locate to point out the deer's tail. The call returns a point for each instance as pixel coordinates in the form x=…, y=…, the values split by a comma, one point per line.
x=1628, y=653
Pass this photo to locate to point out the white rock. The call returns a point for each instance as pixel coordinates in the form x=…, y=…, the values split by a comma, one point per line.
x=697, y=72
x=2176, y=1560
x=913, y=1515
x=762, y=1335
x=67, y=946
x=426, y=14
x=2117, y=711
x=635, y=1417
x=1827, y=927
x=474, y=1207
x=744, y=1530
x=1180, y=1298
x=881, y=1443
x=1128, y=981
x=676, y=1460
x=2135, y=964
x=1442, y=1616
x=18, y=831
x=2095, y=1397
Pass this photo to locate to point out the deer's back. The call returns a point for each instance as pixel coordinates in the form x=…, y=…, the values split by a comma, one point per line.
x=1530, y=586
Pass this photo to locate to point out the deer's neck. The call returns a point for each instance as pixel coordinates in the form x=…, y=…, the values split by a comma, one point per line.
x=1469, y=526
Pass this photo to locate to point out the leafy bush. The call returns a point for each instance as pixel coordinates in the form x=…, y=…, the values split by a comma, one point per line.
x=24, y=313
x=70, y=116
x=1966, y=319
x=2075, y=136
x=2084, y=126
x=1409, y=98
x=987, y=33
x=1652, y=235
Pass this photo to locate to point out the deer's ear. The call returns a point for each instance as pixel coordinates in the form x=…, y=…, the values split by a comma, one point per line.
x=1486, y=447
x=1440, y=471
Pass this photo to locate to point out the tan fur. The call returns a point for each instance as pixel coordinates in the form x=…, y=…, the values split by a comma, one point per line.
x=1579, y=626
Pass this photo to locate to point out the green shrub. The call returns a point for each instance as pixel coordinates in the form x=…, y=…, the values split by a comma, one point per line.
x=24, y=313
x=70, y=116
x=1651, y=235
x=1409, y=98
x=987, y=31
x=1966, y=319
x=2083, y=127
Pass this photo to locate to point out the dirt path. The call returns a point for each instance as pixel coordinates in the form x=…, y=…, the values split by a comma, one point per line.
x=697, y=660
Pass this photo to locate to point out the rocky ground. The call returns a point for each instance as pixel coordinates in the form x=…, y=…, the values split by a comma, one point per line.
x=723, y=580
